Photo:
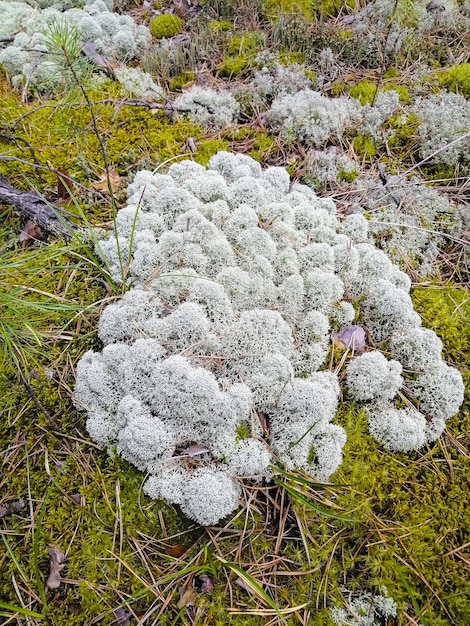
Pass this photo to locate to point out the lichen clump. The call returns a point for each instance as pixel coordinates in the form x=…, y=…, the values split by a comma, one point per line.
x=29, y=57
x=213, y=361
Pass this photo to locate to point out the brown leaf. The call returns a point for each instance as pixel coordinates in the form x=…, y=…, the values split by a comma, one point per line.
x=49, y=372
x=176, y=551
x=350, y=337
x=184, y=8
x=30, y=232
x=264, y=423
x=17, y=506
x=55, y=566
x=187, y=597
x=191, y=144
x=102, y=184
x=64, y=186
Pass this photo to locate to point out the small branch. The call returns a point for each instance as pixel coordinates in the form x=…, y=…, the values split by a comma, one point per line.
x=32, y=207
x=126, y=102
x=16, y=140
x=38, y=405
x=58, y=173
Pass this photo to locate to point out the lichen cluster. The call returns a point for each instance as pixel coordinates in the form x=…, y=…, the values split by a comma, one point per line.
x=29, y=58
x=236, y=279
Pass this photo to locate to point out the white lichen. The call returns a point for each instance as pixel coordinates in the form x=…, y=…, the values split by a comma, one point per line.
x=213, y=109
x=210, y=366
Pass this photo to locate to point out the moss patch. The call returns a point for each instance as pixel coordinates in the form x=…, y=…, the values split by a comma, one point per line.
x=273, y=9
x=234, y=65
x=166, y=25
x=365, y=91
x=364, y=146
x=134, y=137
x=456, y=79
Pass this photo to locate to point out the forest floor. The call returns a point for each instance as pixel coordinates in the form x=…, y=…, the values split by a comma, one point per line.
x=81, y=543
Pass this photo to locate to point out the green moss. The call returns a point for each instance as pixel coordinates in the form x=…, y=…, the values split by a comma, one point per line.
x=447, y=311
x=182, y=79
x=365, y=91
x=132, y=136
x=234, y=65
x=364, y=146
x=255, y=143
x=217, y=26
x=263, y=145
x=289, y=58
x=338, y=88
x=165, y=25
x=248, y=43
x=331, y=8
x=243, y=432
x=311, y=75
x=273, y=9
x=402, y=135
x=456, y=79
x=348, y=176
x=403, y=93
x=207, y=148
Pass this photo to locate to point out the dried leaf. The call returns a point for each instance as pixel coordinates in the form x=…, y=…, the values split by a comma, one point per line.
x=195, y=450
x=350, y=337
x=76, y=499
x=90, y=51
x=30, y=232
x=49, y=372
x=264, y=423
x=17, y=506
x=184, y=8
x=206, y=583
x=122, y=617
x=102, y=184
x=56, y=565
x=244, y=585
x=14, y=507
x=191, y=144
x=64, y=186
x=187, y=597
x=176, y=551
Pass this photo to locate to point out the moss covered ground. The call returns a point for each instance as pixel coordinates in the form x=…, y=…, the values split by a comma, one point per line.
x=396, y=520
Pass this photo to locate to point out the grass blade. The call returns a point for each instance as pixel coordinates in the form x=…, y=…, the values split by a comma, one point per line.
x=411, y=596
x=14, y=559
x=299, y=497
x=304, y=481
x=254, y=585
x=19, y=609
